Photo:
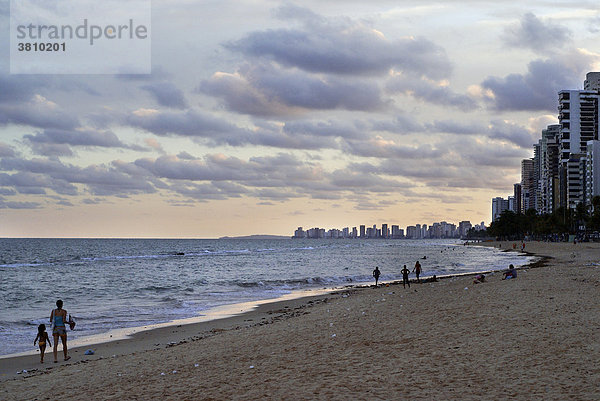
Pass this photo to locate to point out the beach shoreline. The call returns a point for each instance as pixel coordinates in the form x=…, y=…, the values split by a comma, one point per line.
x=451, y=329
x=163, y=335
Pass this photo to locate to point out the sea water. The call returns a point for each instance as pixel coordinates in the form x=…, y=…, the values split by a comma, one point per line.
x=109, y=284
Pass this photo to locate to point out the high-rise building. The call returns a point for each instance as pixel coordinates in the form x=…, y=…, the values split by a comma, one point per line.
x=463, y=228
x=385, y=233
x=549, y=161
x=527, y=185
x=592, y=81
x=511, y=203
x=518, y=200
x=362, y=231
x=424, y=231
x=536, y=202
x=499, y=205
x=578, y=115
x=592, y=171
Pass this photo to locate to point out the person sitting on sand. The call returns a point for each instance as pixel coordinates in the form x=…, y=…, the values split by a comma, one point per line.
x=58, y=317
x=376, y=274
x=42, y=338
x=405, y=272
x=480, y=278
x=510, y=273
x=417, y=270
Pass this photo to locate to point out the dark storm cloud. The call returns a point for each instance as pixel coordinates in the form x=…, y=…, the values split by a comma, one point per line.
x=166, y=94
x=267, y=90
x=537, y=35
x=341, y=46
x=537, y=90
x=430, y=92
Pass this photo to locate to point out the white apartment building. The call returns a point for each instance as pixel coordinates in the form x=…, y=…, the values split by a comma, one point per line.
x=579, y=117
x=499, y=205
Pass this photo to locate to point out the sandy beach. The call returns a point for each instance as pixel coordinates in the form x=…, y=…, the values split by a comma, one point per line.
x=534, y=337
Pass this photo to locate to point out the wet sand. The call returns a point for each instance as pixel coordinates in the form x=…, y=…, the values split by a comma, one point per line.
x=535, y=337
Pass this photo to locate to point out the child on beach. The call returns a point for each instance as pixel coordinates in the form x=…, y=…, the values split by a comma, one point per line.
x=43, y=338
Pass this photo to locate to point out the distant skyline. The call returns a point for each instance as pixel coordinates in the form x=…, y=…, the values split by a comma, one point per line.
x=264, y=115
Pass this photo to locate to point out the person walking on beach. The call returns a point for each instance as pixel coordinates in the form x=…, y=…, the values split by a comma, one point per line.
x=42, y=338
x=405, y=272
x=417, y=270
x=58, y=318
x=376, y=274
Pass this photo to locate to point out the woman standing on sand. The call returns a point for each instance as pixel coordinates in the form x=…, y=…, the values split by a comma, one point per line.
x=58, y=317
x=417, y=271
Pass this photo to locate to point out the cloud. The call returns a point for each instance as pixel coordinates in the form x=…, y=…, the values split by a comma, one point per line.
x=20, y=88
x=106, y=139
x=537, y=90
x=401, y=124
x=188, y=123
x=432, y=92
x=41, y=174
x=6, y=150
x=166, y=94
x=329, y=128
x=537, y=35
x=268, y=90
x=386, y=148
x=37, y=112
x=19, y=205
x=341, y=46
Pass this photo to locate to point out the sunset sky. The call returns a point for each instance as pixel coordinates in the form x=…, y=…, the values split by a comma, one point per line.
x=261, y=116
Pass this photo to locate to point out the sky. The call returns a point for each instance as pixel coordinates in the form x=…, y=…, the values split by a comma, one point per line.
x=261, y=116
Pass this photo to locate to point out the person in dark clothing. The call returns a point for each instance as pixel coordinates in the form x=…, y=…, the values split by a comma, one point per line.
x=376, y=274
x=405, y=272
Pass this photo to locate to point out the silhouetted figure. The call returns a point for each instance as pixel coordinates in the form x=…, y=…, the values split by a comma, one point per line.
x=405, y=272
x=417, y=270
x=376, y=274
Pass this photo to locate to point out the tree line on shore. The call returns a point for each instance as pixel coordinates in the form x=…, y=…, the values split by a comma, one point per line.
x=511, y=225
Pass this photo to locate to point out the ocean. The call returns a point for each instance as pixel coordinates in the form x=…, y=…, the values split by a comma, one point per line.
x=109, y=284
